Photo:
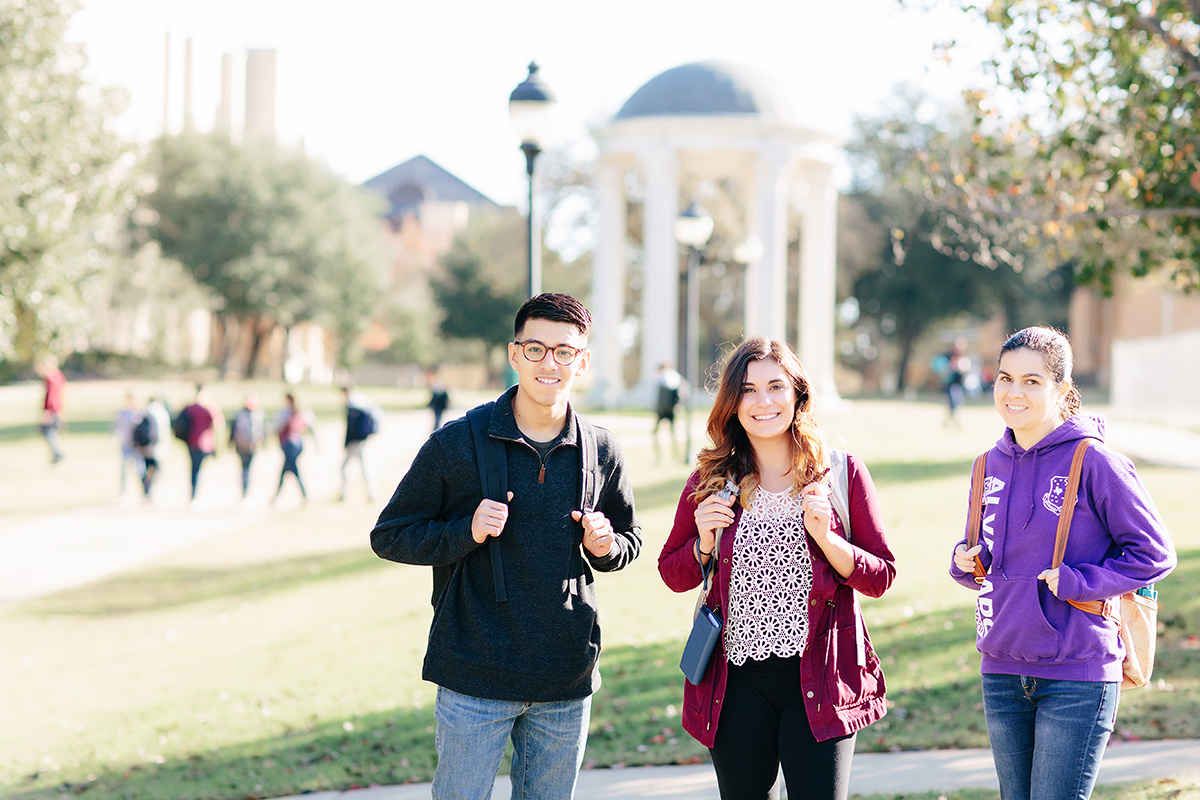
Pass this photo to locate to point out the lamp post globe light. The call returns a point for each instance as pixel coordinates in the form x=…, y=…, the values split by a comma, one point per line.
x=530, y=109
x=693, y=229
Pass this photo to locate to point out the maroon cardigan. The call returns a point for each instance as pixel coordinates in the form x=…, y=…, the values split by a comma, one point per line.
x=842, y=695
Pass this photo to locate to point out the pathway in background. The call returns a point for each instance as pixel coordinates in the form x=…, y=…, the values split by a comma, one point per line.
x=74, y=547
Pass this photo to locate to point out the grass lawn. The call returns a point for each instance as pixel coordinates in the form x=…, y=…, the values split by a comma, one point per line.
x=285, y=657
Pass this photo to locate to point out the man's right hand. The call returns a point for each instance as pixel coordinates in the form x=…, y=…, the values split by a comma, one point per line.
x=489, y=519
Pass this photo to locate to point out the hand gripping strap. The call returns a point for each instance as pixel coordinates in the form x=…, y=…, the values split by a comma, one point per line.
x=975, y=520
x=493, y=473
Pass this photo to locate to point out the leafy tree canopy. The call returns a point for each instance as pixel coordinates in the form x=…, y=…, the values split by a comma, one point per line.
x=921, y=277
x=273, y=234
x=1086, y=146
x=60, y=190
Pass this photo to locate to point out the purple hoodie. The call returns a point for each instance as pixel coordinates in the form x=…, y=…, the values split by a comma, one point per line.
x=1117, y=543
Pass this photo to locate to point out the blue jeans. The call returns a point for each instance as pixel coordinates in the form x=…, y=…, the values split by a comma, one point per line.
x=291, y=452
x=1048, y=736
x=548, y=740
x=198, y=457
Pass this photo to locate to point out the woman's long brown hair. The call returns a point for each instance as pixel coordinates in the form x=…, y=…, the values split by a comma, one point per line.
x=731, y=454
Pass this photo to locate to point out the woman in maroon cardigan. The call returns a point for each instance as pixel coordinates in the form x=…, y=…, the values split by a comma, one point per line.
x=794, y=676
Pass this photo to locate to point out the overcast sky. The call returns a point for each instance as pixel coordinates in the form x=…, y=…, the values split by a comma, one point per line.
x=367, y=84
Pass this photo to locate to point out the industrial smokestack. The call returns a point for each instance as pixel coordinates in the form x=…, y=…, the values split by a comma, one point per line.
x=224, y=121
x=260, y=94
x=189, y=123
x=166, y=119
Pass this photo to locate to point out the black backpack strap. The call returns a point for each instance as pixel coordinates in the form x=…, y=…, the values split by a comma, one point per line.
x=493, y=477
x=589, y=486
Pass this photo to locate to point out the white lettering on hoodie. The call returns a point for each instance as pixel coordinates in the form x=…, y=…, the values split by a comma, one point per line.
x=983, y=605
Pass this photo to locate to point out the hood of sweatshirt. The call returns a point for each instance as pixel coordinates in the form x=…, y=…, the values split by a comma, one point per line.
x=1037, y=478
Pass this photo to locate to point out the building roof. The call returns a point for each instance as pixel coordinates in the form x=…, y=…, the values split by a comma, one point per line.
x=708, y=88
x=406, y=186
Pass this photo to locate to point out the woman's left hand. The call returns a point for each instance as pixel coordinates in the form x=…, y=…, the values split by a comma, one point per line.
x=814, y=501
x=1050, y=576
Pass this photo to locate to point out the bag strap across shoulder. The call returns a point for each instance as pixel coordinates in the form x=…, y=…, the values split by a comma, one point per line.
x=839, y=482
x=491, y=460
x=975, y=518
x=1101, y=608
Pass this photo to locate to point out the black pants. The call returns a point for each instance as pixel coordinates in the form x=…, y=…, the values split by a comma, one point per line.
x=764, y=725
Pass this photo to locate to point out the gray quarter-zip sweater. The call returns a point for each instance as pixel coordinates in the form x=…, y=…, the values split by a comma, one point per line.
x=543, y=643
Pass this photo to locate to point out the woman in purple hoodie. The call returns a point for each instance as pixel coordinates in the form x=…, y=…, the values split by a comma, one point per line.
x=1052, y=673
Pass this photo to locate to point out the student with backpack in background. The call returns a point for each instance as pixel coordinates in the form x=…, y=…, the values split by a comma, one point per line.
x=144, y=438
x=362, y=422
x=200, y=426
x=792, y=677
x=515, y=642
x=123, y=426
x=247, y=432
x=291, y=425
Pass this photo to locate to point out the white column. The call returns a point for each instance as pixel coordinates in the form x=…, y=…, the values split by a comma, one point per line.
x=608, y=286
x=660, y=287
x=766, y=286
x=818, y=280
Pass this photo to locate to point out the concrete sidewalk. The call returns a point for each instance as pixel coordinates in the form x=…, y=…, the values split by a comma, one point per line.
x=873, y=773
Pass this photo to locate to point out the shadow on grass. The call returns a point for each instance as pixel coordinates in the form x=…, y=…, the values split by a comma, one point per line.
x=389, y=747
x=15, y=433
x=166, y=587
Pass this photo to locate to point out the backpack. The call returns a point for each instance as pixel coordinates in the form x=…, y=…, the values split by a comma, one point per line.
x=668, y=398
x=247, y=431
x=181, y=426
x=1135, y=613
x=839, y=498
x=492, y=462
x=145, y=433
x=361, y=423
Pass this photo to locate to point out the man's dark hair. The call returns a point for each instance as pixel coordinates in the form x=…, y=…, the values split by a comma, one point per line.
x=556, y=308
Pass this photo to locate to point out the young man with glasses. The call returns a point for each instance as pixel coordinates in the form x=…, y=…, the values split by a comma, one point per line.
x=515, y=640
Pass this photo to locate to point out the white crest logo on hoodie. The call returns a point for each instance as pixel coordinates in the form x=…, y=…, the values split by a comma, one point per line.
x=1053, y=499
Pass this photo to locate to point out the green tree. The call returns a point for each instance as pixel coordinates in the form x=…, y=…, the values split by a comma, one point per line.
x=482, y=283
x=921, y=277
x=1087, y=144
x=60, y=191
x=275, y=236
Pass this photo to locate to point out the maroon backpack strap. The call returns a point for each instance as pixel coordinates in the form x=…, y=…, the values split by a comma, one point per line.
x=975, y=518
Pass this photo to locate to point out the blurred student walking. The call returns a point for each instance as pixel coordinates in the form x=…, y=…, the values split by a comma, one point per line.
x=291, y=425
x=52, y=403
x=122, y=429
x=362, y=422
x=247, y=433
x=199, y=425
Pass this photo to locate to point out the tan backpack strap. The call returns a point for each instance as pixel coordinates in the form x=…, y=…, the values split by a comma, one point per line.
x=1101, y=608
x=975, y=512
x=1068, y=505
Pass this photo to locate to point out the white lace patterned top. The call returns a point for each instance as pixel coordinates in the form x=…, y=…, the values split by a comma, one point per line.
x=770, y=581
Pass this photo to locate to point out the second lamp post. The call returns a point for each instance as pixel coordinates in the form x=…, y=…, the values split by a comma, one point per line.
x=693, y=229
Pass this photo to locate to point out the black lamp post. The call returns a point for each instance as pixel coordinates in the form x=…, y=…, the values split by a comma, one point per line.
x=529, y=108
x=693, y=229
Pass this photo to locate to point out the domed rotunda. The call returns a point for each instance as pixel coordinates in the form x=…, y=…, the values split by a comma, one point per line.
x=714, y=121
